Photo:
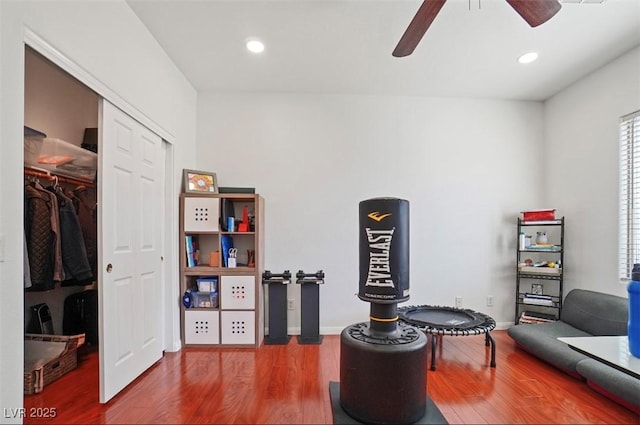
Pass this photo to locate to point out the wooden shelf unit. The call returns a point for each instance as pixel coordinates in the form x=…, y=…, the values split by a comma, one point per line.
x=237, y=320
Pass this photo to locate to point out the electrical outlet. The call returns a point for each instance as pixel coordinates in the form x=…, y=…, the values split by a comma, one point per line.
x=489, y=300
x=290, y=304
x=459, y=302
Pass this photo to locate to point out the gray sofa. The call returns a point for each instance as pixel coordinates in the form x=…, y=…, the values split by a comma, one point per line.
x=584, y=313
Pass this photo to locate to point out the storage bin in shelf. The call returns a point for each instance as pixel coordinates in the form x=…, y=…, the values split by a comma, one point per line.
x=201, y=214
x=32, y=145
x=204, y=299
x=207, y=284
x=237, y=292
x=201, y=327
x=60, y=157
x=238, y=327
x=539, y=215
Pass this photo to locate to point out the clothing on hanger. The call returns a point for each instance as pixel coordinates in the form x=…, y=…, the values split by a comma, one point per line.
x=77, y=271
x=87, y=215
x=41, y=233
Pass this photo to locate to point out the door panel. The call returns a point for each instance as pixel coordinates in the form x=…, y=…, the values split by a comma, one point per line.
x=130, y=226
x=124, y=341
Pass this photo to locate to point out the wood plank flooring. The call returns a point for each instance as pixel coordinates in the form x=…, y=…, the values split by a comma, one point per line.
x=289, y=384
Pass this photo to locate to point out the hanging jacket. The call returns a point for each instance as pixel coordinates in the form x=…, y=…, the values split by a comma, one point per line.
x=58, y=268
x=87, y=216
x=39, y=238
x=77, y=270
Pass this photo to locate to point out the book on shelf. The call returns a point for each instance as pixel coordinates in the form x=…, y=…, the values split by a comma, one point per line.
x=525, y=319
x=536, y=299
x=191, y=248
x=535, y=316
x=539, y=296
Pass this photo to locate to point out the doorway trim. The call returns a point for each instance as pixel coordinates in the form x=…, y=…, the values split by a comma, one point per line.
x=169, y=294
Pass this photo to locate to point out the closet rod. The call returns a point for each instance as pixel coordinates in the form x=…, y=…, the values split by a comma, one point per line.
x=52, y=176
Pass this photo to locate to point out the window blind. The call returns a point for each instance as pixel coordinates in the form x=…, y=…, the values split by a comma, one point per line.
x=629, y=195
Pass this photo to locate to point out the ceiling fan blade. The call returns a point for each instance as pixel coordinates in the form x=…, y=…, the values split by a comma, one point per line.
x=418, y=27
x=536, y=12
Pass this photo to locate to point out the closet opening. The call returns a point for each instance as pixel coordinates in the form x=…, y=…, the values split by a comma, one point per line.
x=61, y=118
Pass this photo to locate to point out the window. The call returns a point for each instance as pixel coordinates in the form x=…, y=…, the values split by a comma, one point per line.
x=629, y=196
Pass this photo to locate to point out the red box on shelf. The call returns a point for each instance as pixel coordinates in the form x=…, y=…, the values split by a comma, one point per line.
x=539, y=215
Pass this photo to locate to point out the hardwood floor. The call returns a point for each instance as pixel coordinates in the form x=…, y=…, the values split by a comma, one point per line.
x=289, y=384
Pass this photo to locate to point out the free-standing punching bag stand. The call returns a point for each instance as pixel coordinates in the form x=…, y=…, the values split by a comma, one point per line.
x=277, y=306
x=383, y=362
x=310, y=306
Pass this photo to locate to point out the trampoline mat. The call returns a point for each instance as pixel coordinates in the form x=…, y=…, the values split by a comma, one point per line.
x=448, y=318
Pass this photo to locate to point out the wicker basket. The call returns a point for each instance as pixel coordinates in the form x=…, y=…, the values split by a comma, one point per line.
x=43, y=371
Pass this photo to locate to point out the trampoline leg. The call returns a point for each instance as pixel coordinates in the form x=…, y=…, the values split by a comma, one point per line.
x=489, y=340
x=433, y=351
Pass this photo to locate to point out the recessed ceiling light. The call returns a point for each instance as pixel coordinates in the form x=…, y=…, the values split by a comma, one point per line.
x=528, y=57
x=254, y=45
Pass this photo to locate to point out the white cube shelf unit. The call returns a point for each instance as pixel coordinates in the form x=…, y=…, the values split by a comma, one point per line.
x=236, y=319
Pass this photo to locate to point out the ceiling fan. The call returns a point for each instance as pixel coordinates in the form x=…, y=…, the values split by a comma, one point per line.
x=535, y=12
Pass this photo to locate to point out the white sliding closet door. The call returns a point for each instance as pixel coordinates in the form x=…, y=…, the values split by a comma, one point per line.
x=130, y=225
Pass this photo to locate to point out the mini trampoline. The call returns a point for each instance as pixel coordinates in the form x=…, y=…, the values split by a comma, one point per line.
x=438, y=320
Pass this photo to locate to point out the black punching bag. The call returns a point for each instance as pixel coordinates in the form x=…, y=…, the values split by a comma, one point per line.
x=384, y=250
x=383, y=363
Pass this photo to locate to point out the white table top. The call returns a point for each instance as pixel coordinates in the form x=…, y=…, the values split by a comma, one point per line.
x=613, y=350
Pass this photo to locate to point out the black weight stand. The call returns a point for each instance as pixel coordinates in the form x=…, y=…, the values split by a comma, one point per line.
x=310, y=309
x=277, y=307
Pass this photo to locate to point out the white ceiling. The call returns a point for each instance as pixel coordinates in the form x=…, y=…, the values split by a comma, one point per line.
x=324, y=46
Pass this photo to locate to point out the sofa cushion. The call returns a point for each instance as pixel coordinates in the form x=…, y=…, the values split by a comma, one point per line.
x=614, y=382
x=541, y=341
x=595, y=313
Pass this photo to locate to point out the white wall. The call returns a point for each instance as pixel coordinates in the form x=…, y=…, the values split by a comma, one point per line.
x=108, y=42
x=56, y=103
x=581, y=155
x=463, y=165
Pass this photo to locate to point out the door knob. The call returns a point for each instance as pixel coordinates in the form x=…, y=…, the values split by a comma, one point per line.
x=109, y=268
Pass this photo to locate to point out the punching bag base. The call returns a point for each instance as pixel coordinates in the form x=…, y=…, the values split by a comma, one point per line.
x=432, y=415
x=383, y=377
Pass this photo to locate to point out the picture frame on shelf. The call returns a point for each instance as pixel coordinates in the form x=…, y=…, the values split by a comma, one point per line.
x=199, y=181
x=537, y=288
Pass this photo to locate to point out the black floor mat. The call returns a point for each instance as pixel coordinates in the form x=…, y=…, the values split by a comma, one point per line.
x=433, y=415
